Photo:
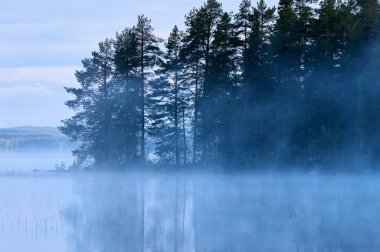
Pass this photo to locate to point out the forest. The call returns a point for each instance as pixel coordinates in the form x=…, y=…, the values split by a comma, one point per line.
x=295, y=86
x=33, y=138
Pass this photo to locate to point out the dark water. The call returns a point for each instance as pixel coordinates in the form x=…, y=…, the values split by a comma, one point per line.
x=174, y=212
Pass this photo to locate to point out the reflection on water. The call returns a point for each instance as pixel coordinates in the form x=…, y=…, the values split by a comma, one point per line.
x=167, y=212
x=220, y=213
x=31, y=210
x=133, y=213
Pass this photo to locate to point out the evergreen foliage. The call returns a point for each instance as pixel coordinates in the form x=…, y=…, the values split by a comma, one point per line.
x=295, y=85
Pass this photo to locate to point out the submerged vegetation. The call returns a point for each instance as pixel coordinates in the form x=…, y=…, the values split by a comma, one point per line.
x=293, y=85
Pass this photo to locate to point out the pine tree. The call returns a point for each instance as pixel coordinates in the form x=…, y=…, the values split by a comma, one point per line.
x=209, y=14
x=244, y=22
x=161, y=124
x=201, y=24
x=299, y=85
x=320, y=108
x=292, y=47
x=173, y=69
x=191, y=58
x=218, y=92
x=369, y=26
x=92, y=123
x=126, y=97
x=165, y=98
x=258, y=86
x=148, y=57
x=368, y=81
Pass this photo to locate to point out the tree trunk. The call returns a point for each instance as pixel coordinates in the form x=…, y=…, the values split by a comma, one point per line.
x=176, y=119
x=142, y=102
x=184, y=137
x=195, y=117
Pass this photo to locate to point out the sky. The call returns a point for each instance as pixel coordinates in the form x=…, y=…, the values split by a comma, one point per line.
x=43, y=42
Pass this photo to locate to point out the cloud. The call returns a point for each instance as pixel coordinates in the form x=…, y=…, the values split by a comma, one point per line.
x=43, y=42
x=34, y=95
x=38, y=89
x=61, y=33
x=57, y=75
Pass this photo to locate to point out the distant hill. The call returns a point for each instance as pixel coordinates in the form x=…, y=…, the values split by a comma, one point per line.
x=24, y=138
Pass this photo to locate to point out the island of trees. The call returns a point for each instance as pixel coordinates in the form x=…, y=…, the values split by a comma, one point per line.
x=297, y=85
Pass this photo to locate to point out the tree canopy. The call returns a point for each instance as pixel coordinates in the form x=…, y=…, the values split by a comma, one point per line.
x=295, y=85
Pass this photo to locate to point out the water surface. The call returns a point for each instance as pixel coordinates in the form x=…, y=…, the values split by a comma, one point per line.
x=81, y=212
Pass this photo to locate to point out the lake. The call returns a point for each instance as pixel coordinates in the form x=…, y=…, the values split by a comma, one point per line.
x=79, y=212
x=24, y=161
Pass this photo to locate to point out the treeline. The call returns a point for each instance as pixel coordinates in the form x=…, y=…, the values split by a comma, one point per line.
x=33, y=138
x=294, y=85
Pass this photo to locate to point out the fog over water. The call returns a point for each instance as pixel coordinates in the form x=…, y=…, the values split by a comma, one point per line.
x=189, y=128
x=25, y=161
x=193, y=211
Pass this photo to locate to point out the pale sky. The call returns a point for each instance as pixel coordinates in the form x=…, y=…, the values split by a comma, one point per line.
x=42, y=42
